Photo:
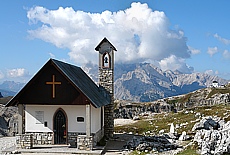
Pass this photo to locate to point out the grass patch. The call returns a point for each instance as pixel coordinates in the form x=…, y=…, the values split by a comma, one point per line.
x=218, y=91
x=190, y=150
x=183, y=99
x=138, y=153
x=185, y=121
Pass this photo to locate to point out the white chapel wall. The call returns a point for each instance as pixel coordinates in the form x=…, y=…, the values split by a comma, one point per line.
x=46, y=112
x=95, y=119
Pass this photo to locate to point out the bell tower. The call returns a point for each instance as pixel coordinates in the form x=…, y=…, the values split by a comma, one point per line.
x=106, y=80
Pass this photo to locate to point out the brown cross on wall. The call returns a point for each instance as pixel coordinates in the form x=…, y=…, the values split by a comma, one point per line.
x=53, y=83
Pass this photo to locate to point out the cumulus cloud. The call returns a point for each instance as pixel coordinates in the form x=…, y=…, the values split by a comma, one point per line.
x=193, y=50
x=212, y=50
x=19, y=72
x=174, y=63
x=223, y=40
x=211, y=72
x=138, y=33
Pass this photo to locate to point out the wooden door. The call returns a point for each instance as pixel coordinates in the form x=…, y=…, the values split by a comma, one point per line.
x=60, y=132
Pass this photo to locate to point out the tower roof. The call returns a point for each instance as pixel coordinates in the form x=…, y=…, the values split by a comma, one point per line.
x=103, y=41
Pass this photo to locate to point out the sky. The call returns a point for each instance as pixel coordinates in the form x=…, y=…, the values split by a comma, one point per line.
x=190, y=36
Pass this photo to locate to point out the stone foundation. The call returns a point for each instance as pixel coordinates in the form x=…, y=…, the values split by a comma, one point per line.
x=44, y=138
x=84, y=142
x=78, y=140
x=72, y=139
x=24, y=141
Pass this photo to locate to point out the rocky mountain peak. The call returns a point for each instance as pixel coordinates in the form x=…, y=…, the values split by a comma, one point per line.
x=146, y=82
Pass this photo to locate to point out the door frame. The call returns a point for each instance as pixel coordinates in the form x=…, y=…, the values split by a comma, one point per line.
x=66, y=119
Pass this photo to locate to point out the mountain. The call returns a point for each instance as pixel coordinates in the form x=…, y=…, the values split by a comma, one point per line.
x=9, y=88
x=144, y=82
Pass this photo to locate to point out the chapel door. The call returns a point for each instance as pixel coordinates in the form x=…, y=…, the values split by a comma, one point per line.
x=60, y=127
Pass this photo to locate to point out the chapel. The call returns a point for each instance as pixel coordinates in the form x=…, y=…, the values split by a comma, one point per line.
x=61, y=104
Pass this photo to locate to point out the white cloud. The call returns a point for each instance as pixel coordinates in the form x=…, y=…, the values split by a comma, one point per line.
x=19, y=72
x=193, y=50
x=226, y=54
x=211, y=72
x=212, y=50
x=138, y=33
x=223, y=40
x=1, y=75
x=51, y=55
x=174, y=63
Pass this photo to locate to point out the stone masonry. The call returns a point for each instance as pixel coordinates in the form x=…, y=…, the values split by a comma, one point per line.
x=84, y=142
x=24, y=141
x=106, y=81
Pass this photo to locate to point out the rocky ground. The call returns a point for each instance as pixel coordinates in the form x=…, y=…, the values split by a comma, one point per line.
x=7, y=143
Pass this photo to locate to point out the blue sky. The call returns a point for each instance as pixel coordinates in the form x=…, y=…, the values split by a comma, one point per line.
x=190, y=36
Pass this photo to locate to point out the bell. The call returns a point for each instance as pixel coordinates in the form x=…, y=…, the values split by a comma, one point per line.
x=106, y=60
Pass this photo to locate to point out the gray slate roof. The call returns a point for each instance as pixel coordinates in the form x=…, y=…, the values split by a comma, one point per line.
x=84, y=83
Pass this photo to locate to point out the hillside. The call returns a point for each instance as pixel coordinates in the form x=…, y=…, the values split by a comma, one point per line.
x=189, y=122
x=199, y=98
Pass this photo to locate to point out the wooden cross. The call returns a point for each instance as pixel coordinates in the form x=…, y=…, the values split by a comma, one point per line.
x=53, y=83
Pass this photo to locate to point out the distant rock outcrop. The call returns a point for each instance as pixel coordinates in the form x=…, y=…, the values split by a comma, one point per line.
x=8, y=120
x=1, y=95
x=202, y=97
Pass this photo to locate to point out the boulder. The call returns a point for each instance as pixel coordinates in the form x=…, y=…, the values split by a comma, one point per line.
x=212, y=138
x=151, y=143
x=207, y=123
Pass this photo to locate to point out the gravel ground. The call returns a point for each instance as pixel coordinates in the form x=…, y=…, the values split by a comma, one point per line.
x=7, y=143
x=121, y=121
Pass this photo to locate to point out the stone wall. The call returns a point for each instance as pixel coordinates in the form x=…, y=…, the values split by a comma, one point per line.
x=79, y=140
x=84, y=142
x=74, y=136
x=28, y=140
x=72, y=139
x=24, y=141
x=44, y=138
